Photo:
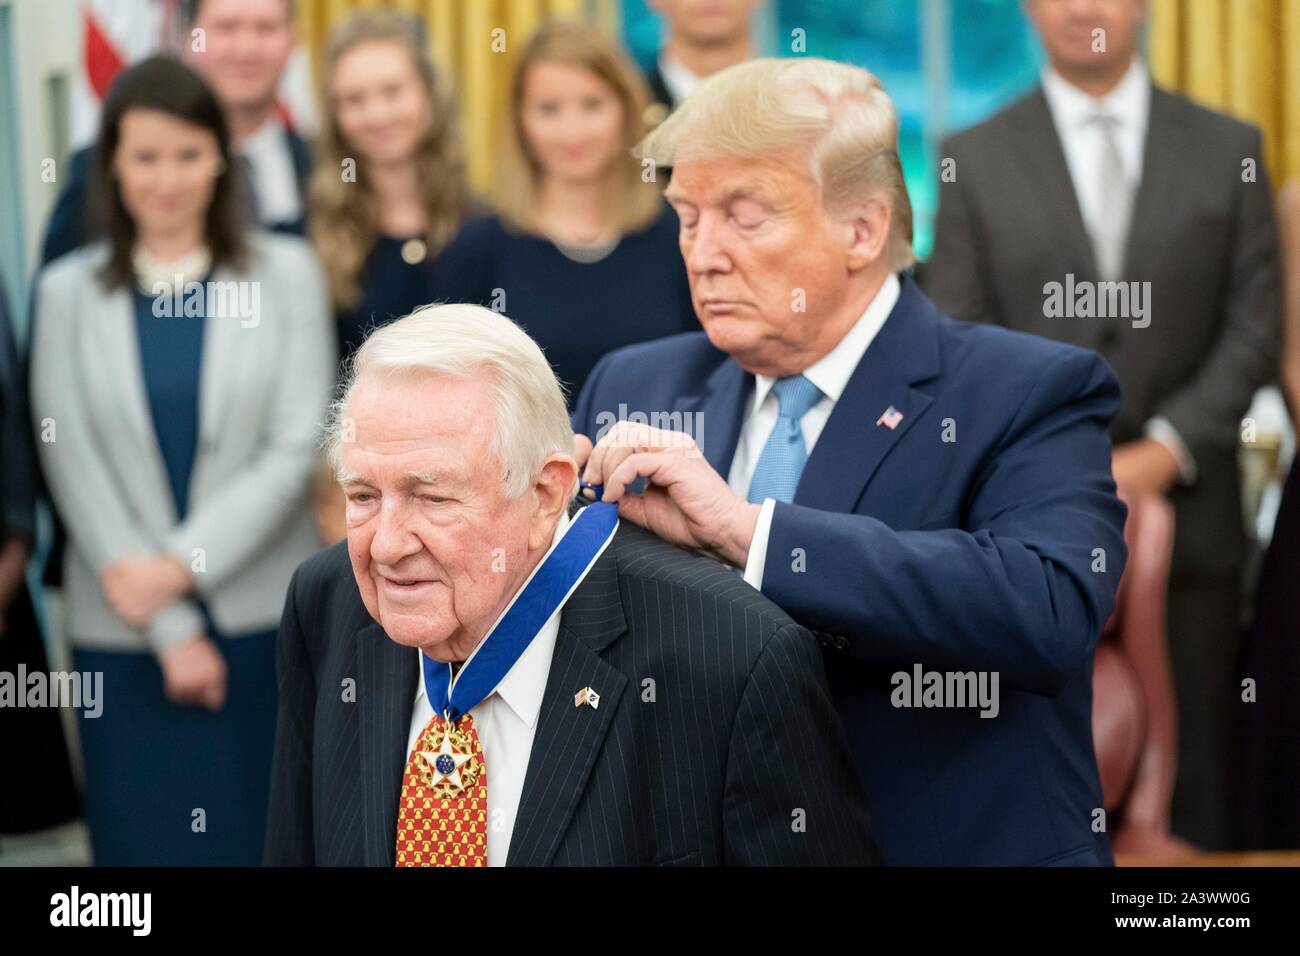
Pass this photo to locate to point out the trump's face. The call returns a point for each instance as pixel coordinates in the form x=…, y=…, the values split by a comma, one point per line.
x=437, y=548
x=767, y=265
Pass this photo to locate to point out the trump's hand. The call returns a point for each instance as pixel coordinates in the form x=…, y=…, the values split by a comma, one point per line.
x=685, y=501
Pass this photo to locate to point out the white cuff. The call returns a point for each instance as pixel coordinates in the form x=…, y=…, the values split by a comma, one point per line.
x=756, y=560
x=1162, y=430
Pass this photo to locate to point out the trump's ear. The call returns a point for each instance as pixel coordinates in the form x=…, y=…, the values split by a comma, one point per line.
x=553, y=490
x=866, y=231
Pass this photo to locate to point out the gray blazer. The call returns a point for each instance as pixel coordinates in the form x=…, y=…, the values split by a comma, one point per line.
x=265, y=384
x=1206, y=241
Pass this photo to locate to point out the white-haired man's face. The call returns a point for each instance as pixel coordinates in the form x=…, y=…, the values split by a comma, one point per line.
x=772, y=275
x=437, y=548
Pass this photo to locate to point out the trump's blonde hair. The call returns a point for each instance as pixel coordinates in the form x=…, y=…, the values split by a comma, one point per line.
x=839, y=113
x=466, y=341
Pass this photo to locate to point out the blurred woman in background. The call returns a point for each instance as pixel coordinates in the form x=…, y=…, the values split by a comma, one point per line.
x=583, y=253
x=179, y=370
x=389, y=187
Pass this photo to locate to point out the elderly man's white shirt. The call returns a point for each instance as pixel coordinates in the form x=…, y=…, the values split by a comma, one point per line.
x=506, y=720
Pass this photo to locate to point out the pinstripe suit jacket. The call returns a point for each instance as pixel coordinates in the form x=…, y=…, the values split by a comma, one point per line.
x=733, y=755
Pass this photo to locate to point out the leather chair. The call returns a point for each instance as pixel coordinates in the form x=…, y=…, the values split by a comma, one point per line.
x=1134, y=723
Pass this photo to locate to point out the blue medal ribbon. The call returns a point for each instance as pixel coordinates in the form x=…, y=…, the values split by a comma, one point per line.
x=547, y=588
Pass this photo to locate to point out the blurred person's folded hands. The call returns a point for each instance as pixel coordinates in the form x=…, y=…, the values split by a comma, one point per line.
x=194, y=672
x=138, y=588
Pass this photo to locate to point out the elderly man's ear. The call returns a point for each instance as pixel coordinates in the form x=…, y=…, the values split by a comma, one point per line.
x=553, y=490
x=865, y=231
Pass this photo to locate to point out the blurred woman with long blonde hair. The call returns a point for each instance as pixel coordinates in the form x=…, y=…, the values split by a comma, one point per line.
x=389, y=188
x=583, y=252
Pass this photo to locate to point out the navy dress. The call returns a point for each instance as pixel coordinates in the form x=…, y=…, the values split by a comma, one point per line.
x=576, y=311
x=168, y=784
x=391, y=287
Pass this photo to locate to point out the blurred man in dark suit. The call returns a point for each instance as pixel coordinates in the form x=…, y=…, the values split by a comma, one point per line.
x=702, y=37
x=245, y=47
x=933, y=499
x=1103, y=211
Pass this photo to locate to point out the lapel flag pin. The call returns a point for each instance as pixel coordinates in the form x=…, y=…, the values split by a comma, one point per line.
x=586, y=696
x=890, y=418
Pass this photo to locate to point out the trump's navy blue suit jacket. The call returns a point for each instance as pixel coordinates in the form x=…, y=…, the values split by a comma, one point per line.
x=982, y=533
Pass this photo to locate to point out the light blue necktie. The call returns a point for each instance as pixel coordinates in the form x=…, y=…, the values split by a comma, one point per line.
x=783, y=457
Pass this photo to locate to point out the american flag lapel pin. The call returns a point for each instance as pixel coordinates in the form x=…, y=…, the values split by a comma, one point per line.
x=588, y=696
x=890, y=418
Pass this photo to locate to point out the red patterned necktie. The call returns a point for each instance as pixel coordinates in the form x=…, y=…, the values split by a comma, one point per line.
x=442, y=816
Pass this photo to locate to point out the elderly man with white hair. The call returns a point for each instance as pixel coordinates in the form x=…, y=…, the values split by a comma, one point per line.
x=933, y=500
x=487, y=673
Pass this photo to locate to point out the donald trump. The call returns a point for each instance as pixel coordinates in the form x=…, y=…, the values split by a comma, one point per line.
x=925, y=496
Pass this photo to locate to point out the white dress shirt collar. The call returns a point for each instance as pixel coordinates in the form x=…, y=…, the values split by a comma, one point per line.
x=679, y=81
x=831, y=373
x=275, y=179
x=524, y=685
x=267, y=137
x=1129, y=102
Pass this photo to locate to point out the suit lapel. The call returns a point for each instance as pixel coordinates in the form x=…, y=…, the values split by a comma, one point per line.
x=301, y=153
x=569, y=738
x=386, y=676
x=1045, y=165
x=853, y=444
x=721, y=410
x=1165, y=144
